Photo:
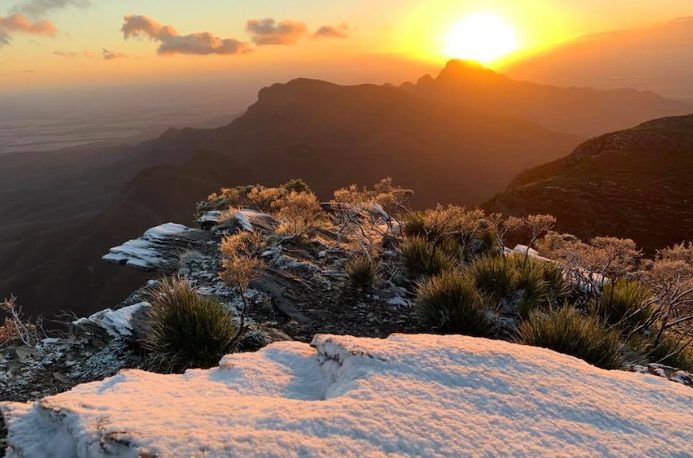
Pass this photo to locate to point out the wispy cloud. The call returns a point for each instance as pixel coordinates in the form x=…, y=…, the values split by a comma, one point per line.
x=39, y=8
x=19, y=23
x=270, y=32
x=111, y=55
x=171, y=42
x=66, y=54
x=327, y=31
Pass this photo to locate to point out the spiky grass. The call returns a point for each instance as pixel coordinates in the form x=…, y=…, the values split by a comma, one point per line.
x=567, y=331
x=186, y=329
x=451, y=303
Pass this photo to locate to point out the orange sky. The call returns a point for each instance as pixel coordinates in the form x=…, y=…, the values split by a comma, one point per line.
x=330, y=37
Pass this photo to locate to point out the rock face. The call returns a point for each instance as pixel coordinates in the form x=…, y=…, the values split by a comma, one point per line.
x=634, y=183
x=407, y=396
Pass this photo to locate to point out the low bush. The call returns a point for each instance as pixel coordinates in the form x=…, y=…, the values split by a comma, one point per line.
x=362, y=271
x=567, y=331
x=623, y=303
x=451, y=303
x=186, y=329
x=672, y=351
x=424, y=258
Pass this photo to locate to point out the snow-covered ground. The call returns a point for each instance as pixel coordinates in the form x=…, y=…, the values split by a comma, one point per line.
x=404, y=396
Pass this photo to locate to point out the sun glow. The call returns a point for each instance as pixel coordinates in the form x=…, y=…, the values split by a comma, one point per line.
x=482, y=37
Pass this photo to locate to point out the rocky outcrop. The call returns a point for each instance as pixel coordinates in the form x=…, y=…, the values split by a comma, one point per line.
x=158, y=249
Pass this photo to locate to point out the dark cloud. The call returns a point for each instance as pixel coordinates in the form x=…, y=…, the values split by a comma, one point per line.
x=203, y=43
x=39, y=8
x=269, y=32
x=111, y=55
x=328, y=31
x=19, y=23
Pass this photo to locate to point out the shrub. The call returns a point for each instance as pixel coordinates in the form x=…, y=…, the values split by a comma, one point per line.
x=623, y=303
x=414, y=225
x=672, y=351
x=423, y=258
x=451, y=303
x=297, y=185
x=531, y=286
x=16, y=329
x=299, y=213
x=362, y=271
x=186, y=329
x=493, y=276
x=567, y=331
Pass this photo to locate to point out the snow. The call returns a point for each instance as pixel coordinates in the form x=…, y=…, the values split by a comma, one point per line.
x=408, y=395
x=142, y=253
x=117, y=323
x=242, y=216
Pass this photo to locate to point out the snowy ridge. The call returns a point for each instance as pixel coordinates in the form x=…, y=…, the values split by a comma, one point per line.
x=406, y=395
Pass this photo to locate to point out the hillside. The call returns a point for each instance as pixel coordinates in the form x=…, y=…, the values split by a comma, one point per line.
x=581, y=111
x=633, y=183
x=331, y=135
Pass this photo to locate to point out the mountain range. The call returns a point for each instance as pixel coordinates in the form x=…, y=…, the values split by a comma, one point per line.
x=633, y=183
x=655, y=58
x=61, y=211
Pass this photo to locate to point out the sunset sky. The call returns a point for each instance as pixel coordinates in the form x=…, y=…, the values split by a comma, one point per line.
x=47, y=43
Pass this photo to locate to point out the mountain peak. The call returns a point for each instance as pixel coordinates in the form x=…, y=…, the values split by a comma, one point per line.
x=466, y=69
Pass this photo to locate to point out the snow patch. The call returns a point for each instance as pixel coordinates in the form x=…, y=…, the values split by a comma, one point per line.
x=408, y=395
x=142, y=253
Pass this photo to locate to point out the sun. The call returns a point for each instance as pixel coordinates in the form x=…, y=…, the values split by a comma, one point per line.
x=482, y=37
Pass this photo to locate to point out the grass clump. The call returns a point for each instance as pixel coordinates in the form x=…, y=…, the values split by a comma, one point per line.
x=363, y=271
x=623, y=303
x=186, y=329
x=452, y=303
x=567, y=331
x=522, y=284
x=423, y=258
x=494, y=276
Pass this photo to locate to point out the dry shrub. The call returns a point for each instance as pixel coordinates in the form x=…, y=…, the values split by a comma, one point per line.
x=241, y=264
x=16, y=329
x=299, y=213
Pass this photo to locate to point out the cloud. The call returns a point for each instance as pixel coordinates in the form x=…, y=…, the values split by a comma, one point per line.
x=19, y=23
x=66, y=54
x=269, y=32
x=39, y=8
x=201, y=44
x=111, y=55
x=328, y=31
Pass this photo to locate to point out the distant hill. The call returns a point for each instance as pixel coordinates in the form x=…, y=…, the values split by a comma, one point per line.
x=655, y=58
x=328, y=134
x=581, y=111
x=635, y=183
x=61, y=211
